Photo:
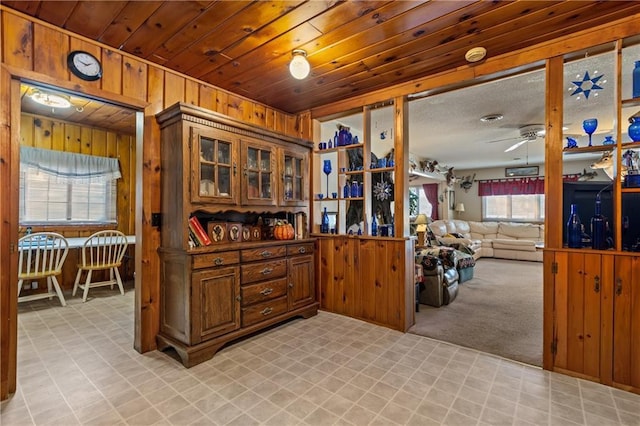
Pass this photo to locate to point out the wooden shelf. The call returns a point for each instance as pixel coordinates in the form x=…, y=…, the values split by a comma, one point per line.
x=631, y=102
x=588, y=149
x=630, y=145
x=353, y=146
x=324, y=151
x=338, y=148
x=382, y=169
x=630, y=190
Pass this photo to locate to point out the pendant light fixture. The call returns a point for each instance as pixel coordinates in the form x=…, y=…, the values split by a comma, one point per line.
x=299, y=66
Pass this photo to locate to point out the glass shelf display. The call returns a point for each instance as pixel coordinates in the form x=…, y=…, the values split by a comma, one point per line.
x=360, y=181
x=602, y=91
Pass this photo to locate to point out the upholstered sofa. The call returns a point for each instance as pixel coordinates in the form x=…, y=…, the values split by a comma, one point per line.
x=505, y=240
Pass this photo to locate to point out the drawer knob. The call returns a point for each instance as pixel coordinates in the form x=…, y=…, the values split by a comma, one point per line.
x=218, y=261
x=267, y=291
x=238, y=298
x=266, y=253
x=266, y=311
x=302, y=250
x=290, y=285
x=266, y=271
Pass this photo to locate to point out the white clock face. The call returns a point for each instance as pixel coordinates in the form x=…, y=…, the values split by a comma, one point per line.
x=87, y=64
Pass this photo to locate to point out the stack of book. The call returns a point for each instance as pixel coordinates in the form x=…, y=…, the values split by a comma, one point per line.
x=197, y=235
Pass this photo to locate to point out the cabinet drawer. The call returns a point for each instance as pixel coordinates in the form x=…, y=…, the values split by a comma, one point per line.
x=263, y=271
x=263, y=291
x=263, y=253
x=215, y=259
x=295, y=249
x=262, y=311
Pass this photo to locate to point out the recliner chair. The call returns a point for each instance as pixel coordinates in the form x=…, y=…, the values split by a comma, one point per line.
x=439, y=285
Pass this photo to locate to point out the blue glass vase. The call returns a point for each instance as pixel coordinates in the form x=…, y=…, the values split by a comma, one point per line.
x=634, y=129
x=574, y=229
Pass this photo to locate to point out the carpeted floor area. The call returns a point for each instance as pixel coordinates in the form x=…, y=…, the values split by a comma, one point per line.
x=499, y=311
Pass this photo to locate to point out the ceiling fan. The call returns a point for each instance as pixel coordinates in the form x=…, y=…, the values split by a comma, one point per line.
x=528, y=133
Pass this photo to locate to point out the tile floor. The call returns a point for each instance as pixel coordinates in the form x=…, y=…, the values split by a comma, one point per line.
x=77, y=366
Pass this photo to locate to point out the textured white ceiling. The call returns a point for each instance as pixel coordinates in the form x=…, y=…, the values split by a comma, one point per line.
x=446, y=127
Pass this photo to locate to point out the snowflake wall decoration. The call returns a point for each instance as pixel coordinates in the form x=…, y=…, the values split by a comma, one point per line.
x=382, y=191
x=587, y=85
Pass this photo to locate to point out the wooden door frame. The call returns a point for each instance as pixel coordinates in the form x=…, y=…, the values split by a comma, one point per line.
x=10, y=80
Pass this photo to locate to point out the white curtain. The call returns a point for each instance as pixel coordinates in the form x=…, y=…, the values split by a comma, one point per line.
x=68, y=167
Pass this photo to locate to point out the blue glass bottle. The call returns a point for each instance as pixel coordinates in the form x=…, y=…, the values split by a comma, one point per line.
x=574, y=229
x=324, y=224
x=354, y=189
x=598, y=227
x=346, y=191
x=374, y=225
x=636, y=80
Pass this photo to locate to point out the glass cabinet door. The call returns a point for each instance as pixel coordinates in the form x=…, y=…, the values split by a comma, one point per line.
x=258, y=185
x=214, y=164
x=294, y=171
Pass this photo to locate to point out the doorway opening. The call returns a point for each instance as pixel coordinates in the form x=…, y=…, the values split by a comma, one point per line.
x=73, y=124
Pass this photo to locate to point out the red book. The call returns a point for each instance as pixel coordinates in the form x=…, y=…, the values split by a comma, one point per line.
x=199, y=231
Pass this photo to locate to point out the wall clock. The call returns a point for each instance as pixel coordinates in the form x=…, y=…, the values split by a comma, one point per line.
x=84, y=65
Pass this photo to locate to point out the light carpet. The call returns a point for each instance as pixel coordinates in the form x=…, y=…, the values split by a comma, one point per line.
x=499, y=311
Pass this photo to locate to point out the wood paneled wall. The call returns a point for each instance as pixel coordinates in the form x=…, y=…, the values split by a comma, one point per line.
x=36, y=51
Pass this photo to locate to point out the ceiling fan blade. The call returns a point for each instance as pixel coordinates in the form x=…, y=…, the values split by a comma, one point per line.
x=502, y=140
x=516, y=145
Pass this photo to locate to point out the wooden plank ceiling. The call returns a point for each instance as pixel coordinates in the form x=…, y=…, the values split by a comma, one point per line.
x=89, y=112
x=354, y=47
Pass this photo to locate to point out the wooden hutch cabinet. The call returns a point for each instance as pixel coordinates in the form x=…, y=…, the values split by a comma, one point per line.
x=232, y=178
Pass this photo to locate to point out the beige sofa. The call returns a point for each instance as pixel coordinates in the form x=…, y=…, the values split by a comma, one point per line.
x=505, y=240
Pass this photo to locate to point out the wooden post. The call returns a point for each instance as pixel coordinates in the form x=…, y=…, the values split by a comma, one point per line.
x=401, y=152
x=553, y=152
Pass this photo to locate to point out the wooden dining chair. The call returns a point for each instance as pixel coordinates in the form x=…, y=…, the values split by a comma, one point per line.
x=41, y=255
x=103, y=250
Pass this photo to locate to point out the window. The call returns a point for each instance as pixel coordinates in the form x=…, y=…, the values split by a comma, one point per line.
x=418, y=202
x=60, y=187
x=525, y=208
